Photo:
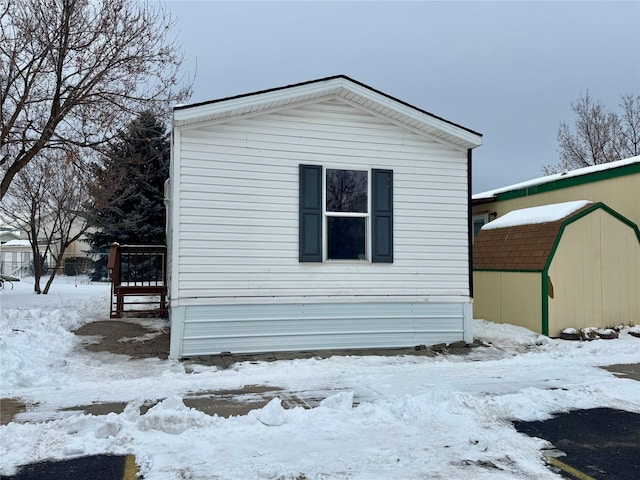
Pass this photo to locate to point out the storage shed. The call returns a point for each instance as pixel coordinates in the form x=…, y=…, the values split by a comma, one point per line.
x=573, y=264
x=321, y=215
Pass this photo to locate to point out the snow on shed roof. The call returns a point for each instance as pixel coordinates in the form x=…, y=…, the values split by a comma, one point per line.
x=337, y=87
x=557, y=176
x=533, y=215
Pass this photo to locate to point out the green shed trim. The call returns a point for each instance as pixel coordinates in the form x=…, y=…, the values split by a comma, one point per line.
x=505, y=270
x=556, y=243
x=570, y=182
x=545, y=303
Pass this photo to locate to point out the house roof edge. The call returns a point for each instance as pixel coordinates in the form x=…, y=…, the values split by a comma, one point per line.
x=331, y=86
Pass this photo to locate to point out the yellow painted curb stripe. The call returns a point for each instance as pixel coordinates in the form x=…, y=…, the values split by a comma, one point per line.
x=569, y=469
x=130, y=468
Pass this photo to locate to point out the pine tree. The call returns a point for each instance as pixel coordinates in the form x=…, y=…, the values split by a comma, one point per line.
x=128, y=194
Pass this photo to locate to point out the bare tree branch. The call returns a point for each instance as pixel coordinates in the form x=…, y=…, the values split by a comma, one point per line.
x=73, y=72
x=629, y=141
x=599, y=135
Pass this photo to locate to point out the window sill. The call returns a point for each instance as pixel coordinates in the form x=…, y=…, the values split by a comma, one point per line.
x=343, y=262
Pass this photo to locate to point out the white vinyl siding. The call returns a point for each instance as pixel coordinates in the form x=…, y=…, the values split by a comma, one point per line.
x=238, y=207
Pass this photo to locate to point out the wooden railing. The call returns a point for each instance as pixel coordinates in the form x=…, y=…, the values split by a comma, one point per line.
x=138, y=280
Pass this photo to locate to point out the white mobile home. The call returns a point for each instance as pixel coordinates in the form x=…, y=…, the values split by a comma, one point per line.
x=322, y=215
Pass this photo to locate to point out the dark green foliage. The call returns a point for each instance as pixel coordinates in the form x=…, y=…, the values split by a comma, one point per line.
x=76, y=266
x=128, y=195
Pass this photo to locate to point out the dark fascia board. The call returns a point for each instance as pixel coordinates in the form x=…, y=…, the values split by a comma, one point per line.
x=482, y=201
x=310, y=82
x=566, y=183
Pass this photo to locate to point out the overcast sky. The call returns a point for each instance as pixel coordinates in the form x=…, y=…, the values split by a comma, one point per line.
x=508, y=70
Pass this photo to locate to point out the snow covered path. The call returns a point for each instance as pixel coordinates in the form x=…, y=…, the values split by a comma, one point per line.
x=382, y=416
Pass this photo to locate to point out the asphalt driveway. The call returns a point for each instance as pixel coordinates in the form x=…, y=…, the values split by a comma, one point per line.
x=599, y=443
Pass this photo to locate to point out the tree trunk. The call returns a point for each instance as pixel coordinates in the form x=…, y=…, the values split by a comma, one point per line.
x=53, y=274
x=37, y=272
x=37, y=266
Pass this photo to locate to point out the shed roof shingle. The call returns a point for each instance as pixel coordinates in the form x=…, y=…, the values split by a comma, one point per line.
x=522, y=247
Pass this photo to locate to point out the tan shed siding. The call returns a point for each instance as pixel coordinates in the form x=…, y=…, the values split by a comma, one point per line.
x=596, y=274
x=487, y=299
x=620, y=273
x=575, y=275
x=509, y=297
x=522, y=299
x=239, y=206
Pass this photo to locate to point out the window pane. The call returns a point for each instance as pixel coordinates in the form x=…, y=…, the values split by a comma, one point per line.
x=346, y=191
x=346, y=238
x=477, y=225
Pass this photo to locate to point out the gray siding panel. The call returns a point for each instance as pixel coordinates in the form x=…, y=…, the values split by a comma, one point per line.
x=284, y=327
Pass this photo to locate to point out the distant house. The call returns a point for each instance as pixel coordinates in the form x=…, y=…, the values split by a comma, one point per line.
x=321, y=215
x=8, y=233
x=574, y=264
x=16, y=253
x=16, y=257
x=617, y=184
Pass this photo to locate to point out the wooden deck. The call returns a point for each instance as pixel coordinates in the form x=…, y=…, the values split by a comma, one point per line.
x=138, y=280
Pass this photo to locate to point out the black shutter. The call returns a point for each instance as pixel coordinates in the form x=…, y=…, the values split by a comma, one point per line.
x=310, y=205
x=382, y=216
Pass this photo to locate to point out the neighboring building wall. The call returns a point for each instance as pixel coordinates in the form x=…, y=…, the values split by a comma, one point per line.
x=509, y=297
x=620, y=193
x=16, y=256
x=15, y=259
x=595, y=273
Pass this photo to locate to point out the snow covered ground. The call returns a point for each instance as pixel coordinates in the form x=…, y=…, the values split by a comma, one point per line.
x=381, y=417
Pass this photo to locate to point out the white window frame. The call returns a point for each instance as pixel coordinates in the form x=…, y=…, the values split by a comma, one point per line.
x=326, y=214
x=480, y=216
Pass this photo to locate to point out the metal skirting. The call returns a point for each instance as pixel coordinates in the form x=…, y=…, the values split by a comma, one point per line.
x=213, y=329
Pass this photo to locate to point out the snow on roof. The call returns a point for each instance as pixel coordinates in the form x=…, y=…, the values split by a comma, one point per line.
x=17, y=243
x=532, y=215
x=557, y=176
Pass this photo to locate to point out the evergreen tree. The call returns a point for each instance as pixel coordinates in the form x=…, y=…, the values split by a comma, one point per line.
x=128, y=194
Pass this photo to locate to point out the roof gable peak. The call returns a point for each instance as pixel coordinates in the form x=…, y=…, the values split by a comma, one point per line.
x=338, y=87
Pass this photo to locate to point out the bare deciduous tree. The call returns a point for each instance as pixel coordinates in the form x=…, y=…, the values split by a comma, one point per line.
x=47, y=200
x=600, y=136
x=26, y=212
x=630, y=126
x=72, y=72
x=67, y=199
